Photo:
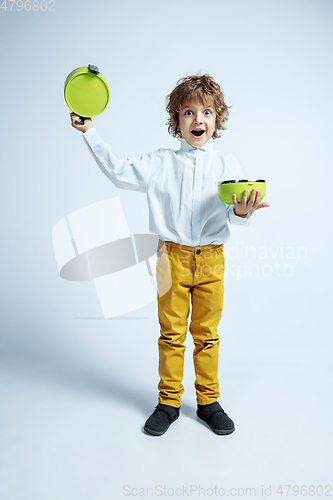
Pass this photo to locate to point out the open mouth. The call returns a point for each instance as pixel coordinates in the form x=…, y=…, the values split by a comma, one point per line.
x=197, y=133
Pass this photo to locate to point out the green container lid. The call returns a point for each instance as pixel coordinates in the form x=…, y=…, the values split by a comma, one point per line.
x=86, y=91
x=227, y=188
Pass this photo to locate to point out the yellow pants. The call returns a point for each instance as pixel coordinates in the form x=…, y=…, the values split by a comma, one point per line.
x=189, y=273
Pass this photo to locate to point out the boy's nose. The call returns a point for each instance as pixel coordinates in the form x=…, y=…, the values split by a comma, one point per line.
x=198, y=118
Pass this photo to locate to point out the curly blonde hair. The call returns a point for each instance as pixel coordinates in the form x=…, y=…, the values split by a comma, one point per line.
x=200, y=87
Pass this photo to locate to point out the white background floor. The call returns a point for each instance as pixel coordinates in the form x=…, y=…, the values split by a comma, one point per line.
x=73, y=411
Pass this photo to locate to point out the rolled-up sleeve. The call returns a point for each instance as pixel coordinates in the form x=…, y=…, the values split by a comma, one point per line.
x=125, y=173
x=234, y=219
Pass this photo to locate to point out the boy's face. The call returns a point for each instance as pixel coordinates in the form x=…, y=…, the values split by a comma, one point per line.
x=197, y=121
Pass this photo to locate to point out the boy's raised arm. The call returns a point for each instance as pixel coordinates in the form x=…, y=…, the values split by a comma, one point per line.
x=125, y=173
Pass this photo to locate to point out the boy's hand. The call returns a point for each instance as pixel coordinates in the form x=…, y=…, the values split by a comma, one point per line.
x=243, y=208
x=83, y=128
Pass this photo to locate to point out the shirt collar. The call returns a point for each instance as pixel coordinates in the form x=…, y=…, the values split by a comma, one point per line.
x=185, y=146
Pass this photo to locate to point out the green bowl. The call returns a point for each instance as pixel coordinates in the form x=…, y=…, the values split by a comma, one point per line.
x=86, y=91
x=227, y=188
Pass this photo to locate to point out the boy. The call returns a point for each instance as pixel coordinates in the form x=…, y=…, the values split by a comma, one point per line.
x=192, y=224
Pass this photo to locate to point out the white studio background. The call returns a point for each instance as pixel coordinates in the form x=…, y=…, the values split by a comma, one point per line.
x=76, y=389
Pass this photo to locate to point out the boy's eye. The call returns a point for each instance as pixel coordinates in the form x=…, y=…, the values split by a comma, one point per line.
x=189, y=112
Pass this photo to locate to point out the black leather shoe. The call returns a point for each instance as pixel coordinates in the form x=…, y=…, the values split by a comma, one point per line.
x=216, y=418
x=159, y=421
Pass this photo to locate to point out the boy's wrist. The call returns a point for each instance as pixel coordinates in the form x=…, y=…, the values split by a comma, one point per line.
x=88, y=127
x=240, y=215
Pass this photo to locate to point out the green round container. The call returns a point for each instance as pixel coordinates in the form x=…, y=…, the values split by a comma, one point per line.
x=86, y=92
x=227, y=188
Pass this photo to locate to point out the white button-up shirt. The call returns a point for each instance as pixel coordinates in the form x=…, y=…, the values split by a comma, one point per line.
x=181, y=189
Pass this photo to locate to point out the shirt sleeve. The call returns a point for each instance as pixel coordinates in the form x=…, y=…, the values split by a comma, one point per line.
x=234, y=219
x=125, y=173
x=237, y=174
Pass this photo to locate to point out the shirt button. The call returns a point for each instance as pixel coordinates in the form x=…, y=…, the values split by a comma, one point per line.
x=198, y=252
